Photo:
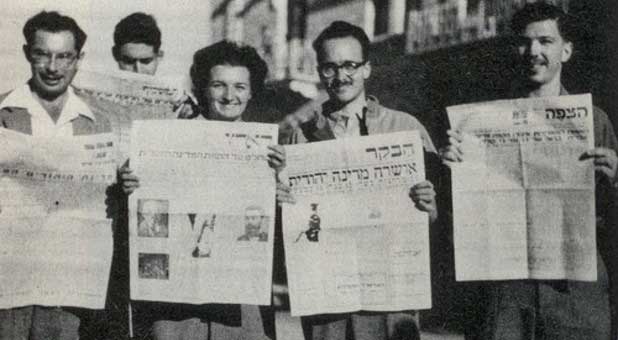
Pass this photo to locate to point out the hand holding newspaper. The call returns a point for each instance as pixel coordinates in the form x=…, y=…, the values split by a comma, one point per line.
x=202, y=220
x=353, y=239
x=523, y=198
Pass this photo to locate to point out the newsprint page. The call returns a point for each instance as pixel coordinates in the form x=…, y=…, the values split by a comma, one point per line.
x=353, y=239
x=55, y=231
x=523, y=200
x=202, y=221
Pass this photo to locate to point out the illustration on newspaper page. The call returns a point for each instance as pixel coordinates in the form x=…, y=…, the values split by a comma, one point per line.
x=523, y=199
x=54, y=226
x=123, y=97
x=353, y=239
x=202, y=220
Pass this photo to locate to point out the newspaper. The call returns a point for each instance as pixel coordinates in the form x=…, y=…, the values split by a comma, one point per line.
x=55, y=232
x=523, y=200
x=354, y=240
x=126, y=96
x=201, y=222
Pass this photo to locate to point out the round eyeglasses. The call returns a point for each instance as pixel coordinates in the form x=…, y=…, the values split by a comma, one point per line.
x=63, y=60
x=329, y=70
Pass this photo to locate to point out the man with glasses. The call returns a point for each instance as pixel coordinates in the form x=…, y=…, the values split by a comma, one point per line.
x=47, y=107
x=342, y=51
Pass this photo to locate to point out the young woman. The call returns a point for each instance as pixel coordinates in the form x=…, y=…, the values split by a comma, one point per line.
x=225, y=77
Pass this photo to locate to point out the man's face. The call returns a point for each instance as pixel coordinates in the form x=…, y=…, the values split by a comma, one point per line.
x=253, y=220
x=54, y=61
x=138, y=58
x=228, y=92
x=341, y=87
x=542, y=50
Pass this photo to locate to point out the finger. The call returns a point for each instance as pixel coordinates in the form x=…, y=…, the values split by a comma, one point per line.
x=455, y=135
x=454, y=146
x=605, y=171
x=423, y=193
x=125, y=170
x=423, y=184
x=285, y=197
x=451, y=156
x=426, y=207
x=283, y=187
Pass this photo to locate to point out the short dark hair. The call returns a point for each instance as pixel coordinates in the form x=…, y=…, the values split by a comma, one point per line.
x=138, y=28
x=227, y=53
x=341, y=29
x=54, y=22
x=541, y=11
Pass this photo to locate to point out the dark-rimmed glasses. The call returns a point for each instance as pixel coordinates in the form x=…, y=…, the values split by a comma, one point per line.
x=329, y=70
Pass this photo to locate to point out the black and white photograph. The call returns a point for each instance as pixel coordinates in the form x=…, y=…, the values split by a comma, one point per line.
x=154, y=266
x=152, y=218
x=510, y=200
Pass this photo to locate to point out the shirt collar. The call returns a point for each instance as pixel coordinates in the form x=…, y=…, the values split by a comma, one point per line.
x=23, y=97
x=355, y=107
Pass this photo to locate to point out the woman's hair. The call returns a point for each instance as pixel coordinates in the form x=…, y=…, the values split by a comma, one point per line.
x=227, y=53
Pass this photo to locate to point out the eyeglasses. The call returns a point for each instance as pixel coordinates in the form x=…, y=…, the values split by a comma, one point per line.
x=329, y=70
x=63, y=60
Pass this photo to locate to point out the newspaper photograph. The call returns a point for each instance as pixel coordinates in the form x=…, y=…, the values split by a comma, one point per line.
x=523, y=199
x=353, y=239
x=54, y=223
x=125, y=96
x=202, y=220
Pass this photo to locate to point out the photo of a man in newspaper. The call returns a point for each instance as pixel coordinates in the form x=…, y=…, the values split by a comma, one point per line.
x=254, y=225
x=153, y=218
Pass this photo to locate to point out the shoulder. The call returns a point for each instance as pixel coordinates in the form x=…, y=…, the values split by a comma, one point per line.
x=391, y=120
x=311, y=127
x=15, y=118
x=94, y=122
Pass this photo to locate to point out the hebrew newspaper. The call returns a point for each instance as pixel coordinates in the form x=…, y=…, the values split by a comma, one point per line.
x=123, y=97
x=523, y=198
x=201, y=222
x=353, y=239
x=55, y=231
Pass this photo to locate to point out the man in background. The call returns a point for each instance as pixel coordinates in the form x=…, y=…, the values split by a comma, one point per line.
x=137, y=44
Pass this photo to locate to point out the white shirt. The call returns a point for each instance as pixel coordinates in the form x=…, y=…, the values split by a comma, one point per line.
x=42, y=123
x=344, y=122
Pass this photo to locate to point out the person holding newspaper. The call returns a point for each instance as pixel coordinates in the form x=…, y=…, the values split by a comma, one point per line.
x=529, y=309
x=343, y=67
x=225, y=76
x=47, y=106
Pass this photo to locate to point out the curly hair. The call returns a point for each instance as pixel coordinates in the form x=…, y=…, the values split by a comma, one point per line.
x=227, y=53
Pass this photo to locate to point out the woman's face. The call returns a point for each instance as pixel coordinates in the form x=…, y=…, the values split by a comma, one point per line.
x=228, y=92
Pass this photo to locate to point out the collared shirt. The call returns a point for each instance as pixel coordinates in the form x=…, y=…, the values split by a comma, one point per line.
x=42, y=123
x=344, y=123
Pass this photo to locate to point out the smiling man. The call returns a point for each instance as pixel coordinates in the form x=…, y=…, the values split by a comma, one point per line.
x=342, y=51
x=47, y=107
x=558, y=309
